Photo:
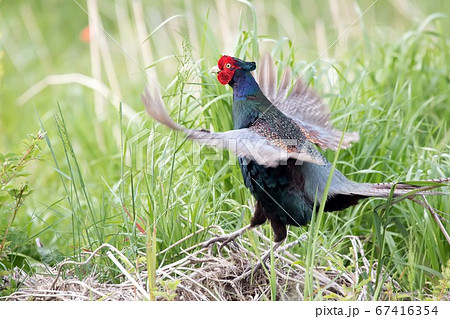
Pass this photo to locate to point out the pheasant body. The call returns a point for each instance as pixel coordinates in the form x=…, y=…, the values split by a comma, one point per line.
x=273, y=139
x=285, y=193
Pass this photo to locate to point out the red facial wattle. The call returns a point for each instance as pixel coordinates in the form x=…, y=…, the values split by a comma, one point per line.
x=225, y=76
x=227, y=66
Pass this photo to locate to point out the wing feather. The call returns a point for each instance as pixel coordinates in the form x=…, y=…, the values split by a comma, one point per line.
x=245, y=142
x=303, y=105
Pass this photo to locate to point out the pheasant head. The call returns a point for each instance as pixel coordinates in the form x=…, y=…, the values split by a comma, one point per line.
x=227, y=67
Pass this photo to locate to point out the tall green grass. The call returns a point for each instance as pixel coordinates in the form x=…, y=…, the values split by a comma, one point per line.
x=389, y=80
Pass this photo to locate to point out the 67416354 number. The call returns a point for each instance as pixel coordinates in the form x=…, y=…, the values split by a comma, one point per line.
x=406, y=310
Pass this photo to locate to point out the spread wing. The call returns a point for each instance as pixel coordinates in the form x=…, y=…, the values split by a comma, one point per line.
x=302, y=105
x=247, y=142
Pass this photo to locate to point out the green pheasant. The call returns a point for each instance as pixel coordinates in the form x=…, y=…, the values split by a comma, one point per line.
x=275, y=137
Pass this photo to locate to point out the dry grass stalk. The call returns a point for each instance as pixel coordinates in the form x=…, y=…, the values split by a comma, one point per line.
x=204, y=275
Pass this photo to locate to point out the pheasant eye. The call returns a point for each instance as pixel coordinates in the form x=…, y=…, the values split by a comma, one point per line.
x=228, y=65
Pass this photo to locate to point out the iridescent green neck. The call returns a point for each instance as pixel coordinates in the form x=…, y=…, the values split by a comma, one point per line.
x=243, y=85
x=246, y=99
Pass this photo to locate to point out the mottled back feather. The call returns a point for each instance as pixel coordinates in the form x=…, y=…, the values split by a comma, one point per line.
x=302, y=104
x=250, y=143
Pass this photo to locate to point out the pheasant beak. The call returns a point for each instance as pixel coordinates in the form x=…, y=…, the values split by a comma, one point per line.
x=214, y=69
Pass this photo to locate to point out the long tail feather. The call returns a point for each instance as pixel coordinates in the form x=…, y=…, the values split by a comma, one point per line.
x=384, y=189
x=353, y=192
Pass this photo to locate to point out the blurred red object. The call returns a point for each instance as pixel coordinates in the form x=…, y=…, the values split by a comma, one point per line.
x=85, y=35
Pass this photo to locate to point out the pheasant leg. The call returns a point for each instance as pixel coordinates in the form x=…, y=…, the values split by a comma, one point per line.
x=226, y=239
